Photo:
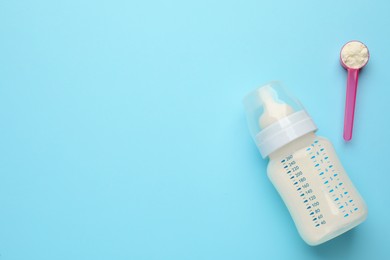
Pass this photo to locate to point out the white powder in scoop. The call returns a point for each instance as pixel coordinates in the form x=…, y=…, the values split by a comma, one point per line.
x=354, y=55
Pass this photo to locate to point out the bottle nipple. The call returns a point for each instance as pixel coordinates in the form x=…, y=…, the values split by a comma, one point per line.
x=274, y=108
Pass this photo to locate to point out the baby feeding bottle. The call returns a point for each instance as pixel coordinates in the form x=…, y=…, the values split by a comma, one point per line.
x=303, y=167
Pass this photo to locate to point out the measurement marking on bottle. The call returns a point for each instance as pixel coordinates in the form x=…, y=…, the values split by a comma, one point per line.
x=334, y=185
x=303, y=188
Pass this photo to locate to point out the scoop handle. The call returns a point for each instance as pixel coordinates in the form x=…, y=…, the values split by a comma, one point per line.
x=352, y=83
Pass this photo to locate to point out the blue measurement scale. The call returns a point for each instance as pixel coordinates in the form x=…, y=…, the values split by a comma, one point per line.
x=330, y=181
x=330, y=177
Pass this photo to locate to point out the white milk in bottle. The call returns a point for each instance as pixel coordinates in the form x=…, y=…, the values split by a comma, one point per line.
x=303, y=167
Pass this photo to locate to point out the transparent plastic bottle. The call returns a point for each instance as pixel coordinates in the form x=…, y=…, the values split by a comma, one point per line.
x=303, y=167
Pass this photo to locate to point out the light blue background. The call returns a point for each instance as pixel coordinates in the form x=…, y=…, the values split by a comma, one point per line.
x=123, y=135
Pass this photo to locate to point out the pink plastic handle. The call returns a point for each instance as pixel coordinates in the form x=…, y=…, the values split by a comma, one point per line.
x=352, y=82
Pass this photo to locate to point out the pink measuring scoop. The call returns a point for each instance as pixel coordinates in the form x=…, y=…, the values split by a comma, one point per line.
x=354, y=56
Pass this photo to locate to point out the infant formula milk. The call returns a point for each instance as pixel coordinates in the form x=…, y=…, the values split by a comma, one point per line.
x=303, y=167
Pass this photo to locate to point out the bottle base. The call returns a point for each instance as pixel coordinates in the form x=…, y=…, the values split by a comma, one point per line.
x=337, y=232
